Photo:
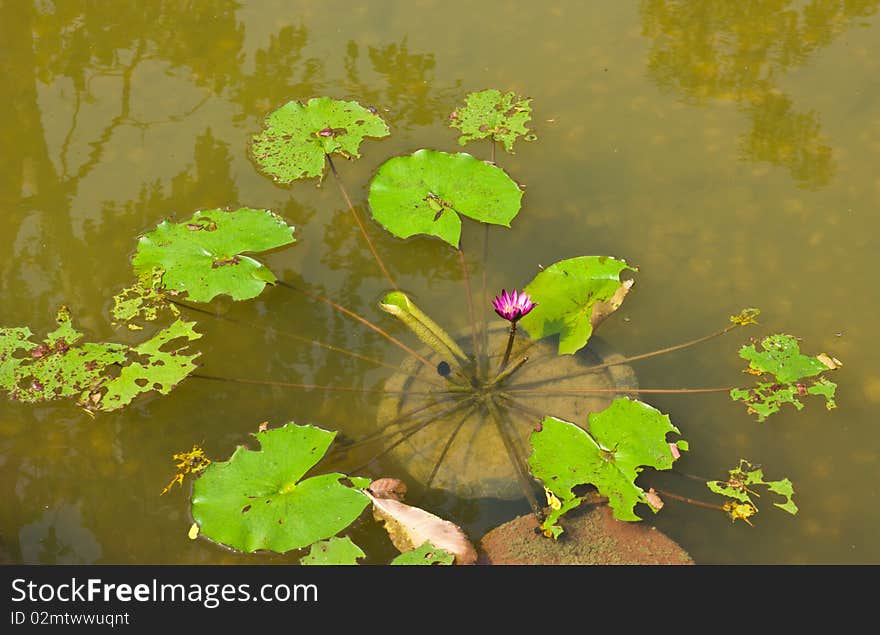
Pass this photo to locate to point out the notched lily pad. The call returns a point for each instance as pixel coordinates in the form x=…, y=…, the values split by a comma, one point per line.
x=296, y=138
x=493, y=114
x=204, y=256
x=428, y=191
x=567, y=293
x=779, y=357
x=622, y=439
x=143, y=301
x=258, y=499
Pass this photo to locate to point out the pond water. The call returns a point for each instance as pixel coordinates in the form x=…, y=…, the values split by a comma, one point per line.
x=728, y=150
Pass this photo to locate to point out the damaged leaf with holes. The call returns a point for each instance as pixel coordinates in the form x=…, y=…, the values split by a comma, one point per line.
x=297, y=138
x=779, y=357
x=260, y=500
x=568, y=293
x=142, y=302
x=491, y=114
x=57, y=367
x=206, y=255
x=429, y=191
x=159, y=364
x=619, y=443
x=739, y=488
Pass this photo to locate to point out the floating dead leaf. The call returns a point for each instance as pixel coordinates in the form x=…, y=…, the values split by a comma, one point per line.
x=831, y=362
x=263, y=426
x=193, y=532
x=676, y=454
x=388, y=488
x=603, y=309
x=654, y=499
x=553, y=501
x=410, y=527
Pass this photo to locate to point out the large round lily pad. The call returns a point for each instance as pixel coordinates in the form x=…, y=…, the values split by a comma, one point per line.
x=477, y=464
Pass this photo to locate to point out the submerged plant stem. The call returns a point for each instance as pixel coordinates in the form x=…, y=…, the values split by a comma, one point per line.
x=483, y=355
x=300, y=338
x=590, y=391
x=360, y=224
x=626, y=360
x=284, y=384
x=470, y=302
x=448, y=445
x=357, y=317
x=515, y=458
x=689, y=501
x=415, y=429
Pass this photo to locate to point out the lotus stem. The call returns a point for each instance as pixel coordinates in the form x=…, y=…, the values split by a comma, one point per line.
x=483, y=355
x=360, y=224
x=510, y=339
x=590, y=391
x=506, y=374
x=357, y=317
x=307, y=340
x=633, y=358
x=689, y=501
x=284, y=384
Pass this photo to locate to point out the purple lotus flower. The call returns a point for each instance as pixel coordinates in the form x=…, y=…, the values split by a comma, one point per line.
x=512, y=306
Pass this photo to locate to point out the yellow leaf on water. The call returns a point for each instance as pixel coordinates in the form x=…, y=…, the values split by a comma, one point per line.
x=193, y=531
x=552, y=500
x=831, y=362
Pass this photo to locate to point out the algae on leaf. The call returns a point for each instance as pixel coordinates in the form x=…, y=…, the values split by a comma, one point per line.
x=428, y=191
x=259, y=500
x=204, y=255
x=296, y=138
x=566, y=293
x=493, y=114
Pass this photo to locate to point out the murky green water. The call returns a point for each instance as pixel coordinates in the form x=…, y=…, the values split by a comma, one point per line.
x=727, y=149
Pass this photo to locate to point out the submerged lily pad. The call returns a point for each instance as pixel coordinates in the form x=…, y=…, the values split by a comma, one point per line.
x=296, y=138
x=259, y=500
x=428, y=191
x=204, y=255
x=622, y=439
x=566, y=293
x=779, y=356
x=493, y=114
x=61, y=367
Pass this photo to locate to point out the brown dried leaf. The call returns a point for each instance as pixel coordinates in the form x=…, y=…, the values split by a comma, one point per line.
x=654, y=499
x=602, y=310
x=410, y=527
x=831, y=362
x=392, y=488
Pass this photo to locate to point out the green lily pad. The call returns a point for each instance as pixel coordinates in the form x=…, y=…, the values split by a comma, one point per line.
x=144, y=300
x=424, y=554
x=622, y=439
x=335, y=551
x=296, y=138
x=493, y=114
x=258, y=500
x=744, y=477
x=204, y=255
x=565, y=293
x=779, y=355
x=428, y=191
